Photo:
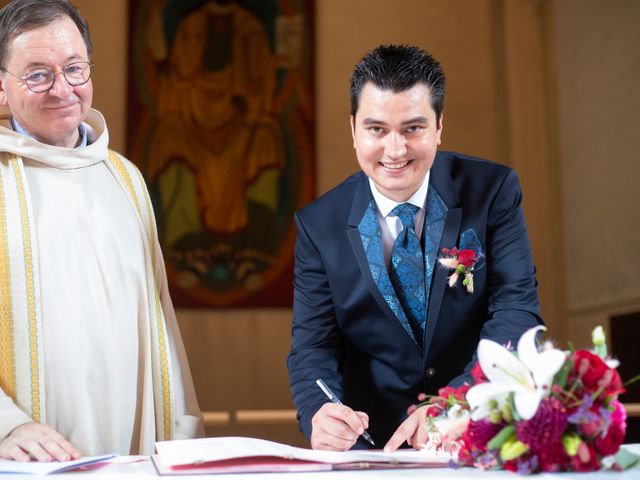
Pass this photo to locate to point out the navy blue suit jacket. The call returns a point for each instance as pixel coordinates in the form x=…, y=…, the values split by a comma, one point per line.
x=345, y=330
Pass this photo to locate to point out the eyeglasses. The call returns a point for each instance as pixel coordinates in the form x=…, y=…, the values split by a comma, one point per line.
x=41, y=79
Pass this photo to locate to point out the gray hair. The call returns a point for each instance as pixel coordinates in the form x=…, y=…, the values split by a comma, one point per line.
x=23, y=15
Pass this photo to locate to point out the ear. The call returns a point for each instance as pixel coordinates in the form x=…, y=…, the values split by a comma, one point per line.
x=439, y=130
x=352, y=122
x=3, y=95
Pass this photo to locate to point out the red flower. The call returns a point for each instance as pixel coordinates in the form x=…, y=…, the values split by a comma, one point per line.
x=546, y=427
x=467, y=450
x=459, y=393
x=433, y=411
x=596, y=375
x=467, y=257
x=479, y=433
x=450, y=251
x=553, y=458
x=477, y=374
x=511, y=466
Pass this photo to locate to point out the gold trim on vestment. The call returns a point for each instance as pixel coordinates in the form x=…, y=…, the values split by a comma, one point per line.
x=160, y=324
x=31, y=298
x=7, y=360
x=162, y=334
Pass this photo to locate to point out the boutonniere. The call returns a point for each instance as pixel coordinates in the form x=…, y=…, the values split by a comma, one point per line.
x=462, y=263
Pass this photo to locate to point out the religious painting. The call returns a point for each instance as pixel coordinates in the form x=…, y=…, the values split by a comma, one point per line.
x=221, y=124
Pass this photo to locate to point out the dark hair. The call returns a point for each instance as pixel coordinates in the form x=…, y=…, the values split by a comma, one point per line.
x=398, y=68
x=23, y=15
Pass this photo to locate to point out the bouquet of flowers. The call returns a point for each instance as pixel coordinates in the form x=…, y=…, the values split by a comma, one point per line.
x=534, y=409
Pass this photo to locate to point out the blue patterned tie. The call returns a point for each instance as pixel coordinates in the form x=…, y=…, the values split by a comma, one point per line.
x=406, y=269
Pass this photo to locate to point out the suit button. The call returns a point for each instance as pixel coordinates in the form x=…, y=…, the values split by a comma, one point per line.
x=430, y=372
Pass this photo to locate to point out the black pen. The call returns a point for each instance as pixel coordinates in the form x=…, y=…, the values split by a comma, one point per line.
x=332, y=396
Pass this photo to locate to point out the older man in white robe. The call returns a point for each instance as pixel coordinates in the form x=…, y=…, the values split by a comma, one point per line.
x=91, y=360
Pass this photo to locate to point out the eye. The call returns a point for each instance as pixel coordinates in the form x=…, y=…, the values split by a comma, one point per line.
x=40, y=75
x=75, y=70
x=376, y=130
x=413, y=129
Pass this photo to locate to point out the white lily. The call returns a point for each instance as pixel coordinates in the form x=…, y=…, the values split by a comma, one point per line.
x=528, y=375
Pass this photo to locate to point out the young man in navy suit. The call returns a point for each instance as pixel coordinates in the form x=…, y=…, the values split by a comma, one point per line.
x=376, y=315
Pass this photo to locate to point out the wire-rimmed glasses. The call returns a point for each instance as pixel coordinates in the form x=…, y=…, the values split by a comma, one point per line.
x=41, y=79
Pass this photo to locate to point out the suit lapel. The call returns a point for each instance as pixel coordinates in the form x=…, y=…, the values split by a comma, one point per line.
x=434, y=222
x=441, y=229
x=364, y=236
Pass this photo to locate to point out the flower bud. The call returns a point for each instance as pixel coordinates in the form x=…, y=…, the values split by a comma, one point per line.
x=597, y=336
x=461, y=268
x=495, y=417
x=507, y=413
x=571, y=442
x=512, y=449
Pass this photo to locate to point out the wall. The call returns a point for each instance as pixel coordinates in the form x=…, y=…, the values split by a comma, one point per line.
x=599, y=103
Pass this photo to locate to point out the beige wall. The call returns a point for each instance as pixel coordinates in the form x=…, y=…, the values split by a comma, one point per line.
x=458, y=33
x=598, y=51
x=109, y=32
x=503, y=103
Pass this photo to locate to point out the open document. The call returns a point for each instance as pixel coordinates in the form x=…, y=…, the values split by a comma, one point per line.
x=243, y=455
x=46, y=468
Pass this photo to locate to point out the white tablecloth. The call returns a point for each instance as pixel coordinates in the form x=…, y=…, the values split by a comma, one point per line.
x=141, y=468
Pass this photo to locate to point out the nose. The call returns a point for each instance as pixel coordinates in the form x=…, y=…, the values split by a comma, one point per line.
x=396, y=146
x=60, y=87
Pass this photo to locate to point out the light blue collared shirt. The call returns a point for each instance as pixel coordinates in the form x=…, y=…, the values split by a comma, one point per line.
x=82, y=129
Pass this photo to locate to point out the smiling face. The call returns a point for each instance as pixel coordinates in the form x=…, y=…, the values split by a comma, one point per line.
x=396, y=137
x=51, y=117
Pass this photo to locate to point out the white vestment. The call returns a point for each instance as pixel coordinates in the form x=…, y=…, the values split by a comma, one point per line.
x=98, y=276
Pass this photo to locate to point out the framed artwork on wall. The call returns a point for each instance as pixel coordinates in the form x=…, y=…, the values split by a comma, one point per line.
x=221, y=124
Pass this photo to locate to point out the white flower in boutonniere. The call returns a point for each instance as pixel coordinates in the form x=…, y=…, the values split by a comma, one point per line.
x=462, y=263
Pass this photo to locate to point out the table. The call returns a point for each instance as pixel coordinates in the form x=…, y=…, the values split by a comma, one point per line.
x=141, y=468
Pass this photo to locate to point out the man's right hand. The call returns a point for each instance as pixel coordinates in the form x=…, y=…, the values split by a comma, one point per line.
x=337, y=427
x=37, y=441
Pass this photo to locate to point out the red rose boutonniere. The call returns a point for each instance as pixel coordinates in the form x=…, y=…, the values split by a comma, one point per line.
x=462, y=263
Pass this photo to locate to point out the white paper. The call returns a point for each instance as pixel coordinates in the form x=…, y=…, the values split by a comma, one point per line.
x=196, y=451
x=45, y=468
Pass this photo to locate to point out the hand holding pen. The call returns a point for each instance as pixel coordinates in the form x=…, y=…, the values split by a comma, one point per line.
x=335, y=400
